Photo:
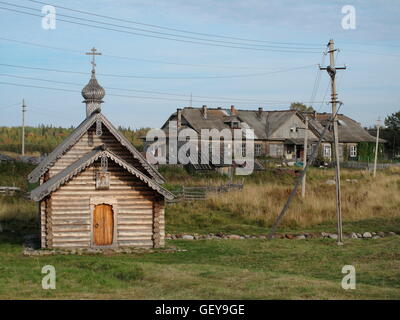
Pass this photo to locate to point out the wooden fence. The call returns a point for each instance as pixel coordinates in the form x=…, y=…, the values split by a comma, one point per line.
x=9, y=191
x=367, y=165
x=200, y=193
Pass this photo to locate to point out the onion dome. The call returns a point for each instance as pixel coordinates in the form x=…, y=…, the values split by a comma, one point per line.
x=93, y=92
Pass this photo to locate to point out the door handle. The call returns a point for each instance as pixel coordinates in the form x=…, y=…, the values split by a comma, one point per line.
x=96, y=225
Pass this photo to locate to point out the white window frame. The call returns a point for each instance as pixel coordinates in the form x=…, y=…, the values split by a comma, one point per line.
x=258, y=149
x=327, y=151
x=353, y=151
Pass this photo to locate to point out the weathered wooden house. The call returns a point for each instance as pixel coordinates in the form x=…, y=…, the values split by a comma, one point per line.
x=277, y=133
x=96, y=190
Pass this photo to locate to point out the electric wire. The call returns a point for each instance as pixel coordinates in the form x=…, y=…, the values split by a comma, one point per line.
x=161, y=37
x=223, y=99
x=162, y=78
x=173, y=29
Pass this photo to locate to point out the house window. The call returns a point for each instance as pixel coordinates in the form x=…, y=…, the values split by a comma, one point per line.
x=327, y=151
x=353, y=151
x=310, y=149
x=275, y=150
x=235, y=124
x=243, y=149
x=257, y=149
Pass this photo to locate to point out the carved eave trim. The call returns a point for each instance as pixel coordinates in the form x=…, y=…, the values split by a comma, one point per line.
x=73, y=138
x=65, y=175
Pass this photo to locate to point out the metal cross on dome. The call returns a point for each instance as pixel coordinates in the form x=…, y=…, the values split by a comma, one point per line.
x=93, y=53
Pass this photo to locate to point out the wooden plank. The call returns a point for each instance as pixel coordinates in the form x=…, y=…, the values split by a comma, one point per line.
x=136, y=243
x=64, y=221
x=71, y=235
x=135, y=228
x=71, y=228
x=77, y=244
x=71, y=239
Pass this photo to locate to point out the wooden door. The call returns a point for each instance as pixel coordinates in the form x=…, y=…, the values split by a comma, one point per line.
x=103, y=225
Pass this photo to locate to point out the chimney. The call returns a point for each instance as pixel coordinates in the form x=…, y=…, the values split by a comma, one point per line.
x=179, y=118
x=233, y=110
x=260, y=111
x=204, y=111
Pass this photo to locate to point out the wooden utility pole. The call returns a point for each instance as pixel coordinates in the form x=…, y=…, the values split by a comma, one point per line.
x=376, y=145
x=303, y=182
x=331, y=69
x=297, y=184
x=23, y=127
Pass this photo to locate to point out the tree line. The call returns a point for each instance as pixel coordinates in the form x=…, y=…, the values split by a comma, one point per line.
x=45, y=138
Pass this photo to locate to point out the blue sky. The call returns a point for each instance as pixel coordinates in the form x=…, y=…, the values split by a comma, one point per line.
x=368, y=88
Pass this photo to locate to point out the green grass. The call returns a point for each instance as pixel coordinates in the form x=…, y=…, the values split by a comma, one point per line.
x=215, y=269
x=15, y=174
x=210, y=269
x=199, y=218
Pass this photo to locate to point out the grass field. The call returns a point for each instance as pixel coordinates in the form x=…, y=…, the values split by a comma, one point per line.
x=367, y=203
x=226, y=269
x=210, y=269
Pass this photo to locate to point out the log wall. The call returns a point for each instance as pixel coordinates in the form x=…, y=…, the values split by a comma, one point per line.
x=69, y=223
x=87, y=142
x=66, y=216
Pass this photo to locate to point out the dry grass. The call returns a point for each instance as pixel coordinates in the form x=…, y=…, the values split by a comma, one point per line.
x=367, y=198
x=16, y=208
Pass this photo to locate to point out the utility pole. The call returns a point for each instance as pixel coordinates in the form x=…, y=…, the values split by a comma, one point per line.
x=303, y=182
x=378, y=123
x=331, y=69
x=23, y=127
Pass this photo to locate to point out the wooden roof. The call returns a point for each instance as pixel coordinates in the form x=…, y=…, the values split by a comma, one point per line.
x=349, y=130
x=77, y=134
x=72, y=170
x=266, y=123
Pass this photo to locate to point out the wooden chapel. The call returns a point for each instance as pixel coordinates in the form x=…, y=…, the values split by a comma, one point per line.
x=95, y=189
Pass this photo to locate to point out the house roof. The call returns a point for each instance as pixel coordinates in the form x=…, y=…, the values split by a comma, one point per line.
x=263, y=126
x=77, y=134
x=266, y=123
x=72, y=170
x=349, y=129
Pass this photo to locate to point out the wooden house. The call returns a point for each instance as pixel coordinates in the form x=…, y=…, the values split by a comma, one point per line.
x=277, y=133
x=96, y=190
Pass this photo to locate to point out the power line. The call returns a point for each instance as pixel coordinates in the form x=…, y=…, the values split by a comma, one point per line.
x=116, y=95
x=154, y=78
x=157, y=32
x=225, y=99
x=376, y=53
x=10, y=106
x=327, y=87
x=137, y=59
x=175, y=29
x=312, y=45
x=317, y=81
x=160, y=37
